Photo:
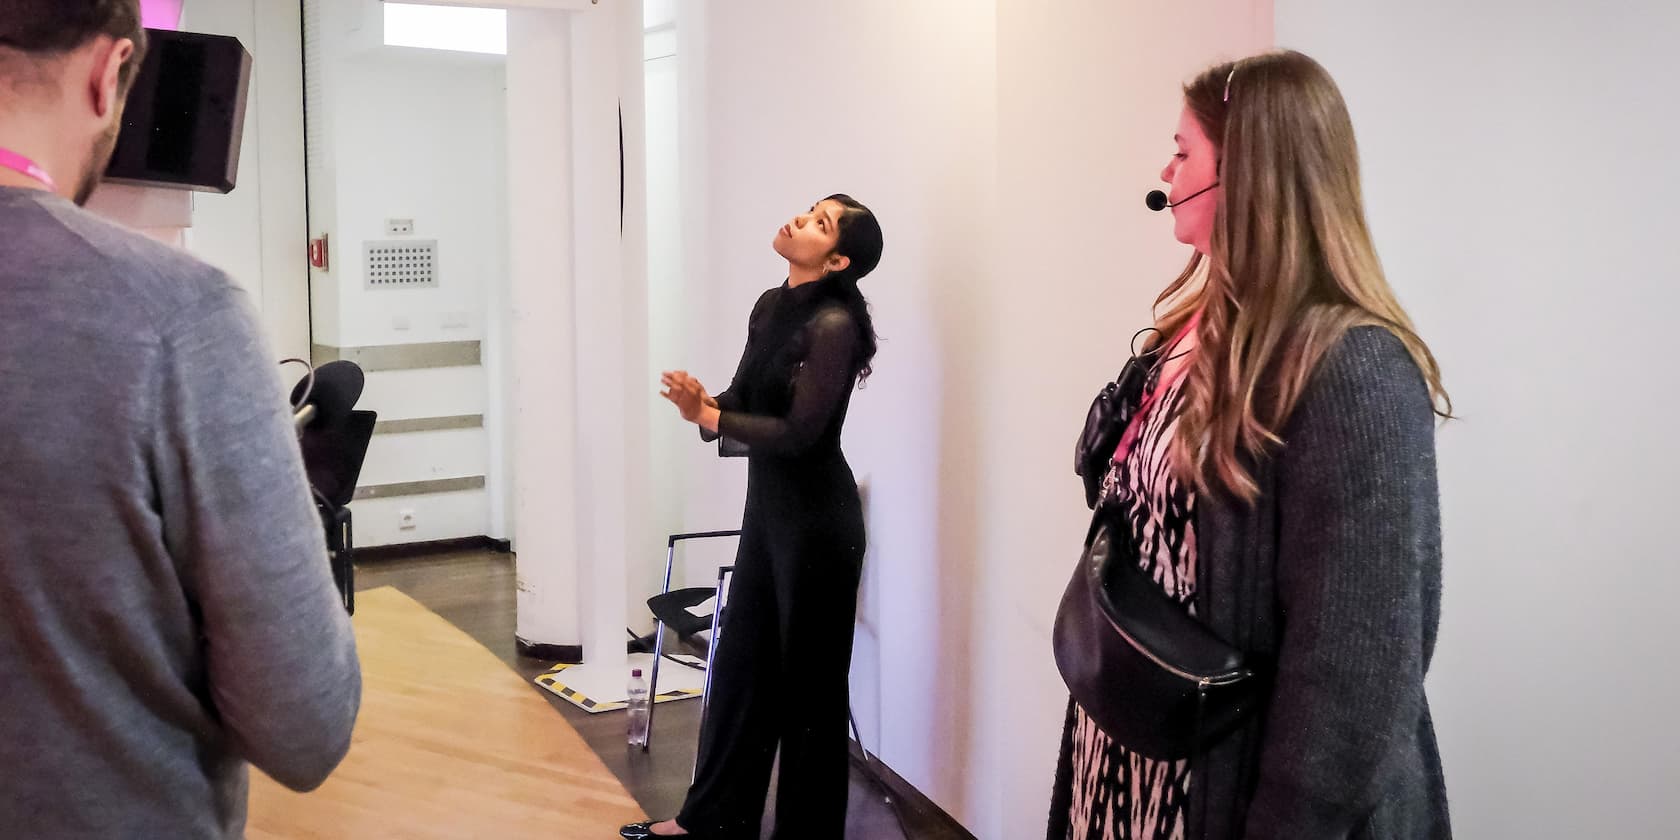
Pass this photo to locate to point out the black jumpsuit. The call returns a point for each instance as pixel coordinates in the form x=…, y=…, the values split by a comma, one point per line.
x=785, y=649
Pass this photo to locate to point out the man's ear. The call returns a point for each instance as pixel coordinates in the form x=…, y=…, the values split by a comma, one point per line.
x=105, y=79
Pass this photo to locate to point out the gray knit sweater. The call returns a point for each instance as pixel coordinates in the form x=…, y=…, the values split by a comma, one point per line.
x=1335, y=575
x=166, y=609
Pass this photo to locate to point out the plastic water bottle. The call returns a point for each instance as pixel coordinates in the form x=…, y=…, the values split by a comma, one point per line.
x=639, y=704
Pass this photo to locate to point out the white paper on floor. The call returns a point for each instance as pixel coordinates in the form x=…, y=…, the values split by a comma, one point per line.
x=602, y=687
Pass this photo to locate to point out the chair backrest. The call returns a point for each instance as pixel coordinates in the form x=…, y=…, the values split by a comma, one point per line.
x=333, y=455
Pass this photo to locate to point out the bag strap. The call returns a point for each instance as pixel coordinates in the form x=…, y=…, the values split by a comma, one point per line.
x=1134, y=427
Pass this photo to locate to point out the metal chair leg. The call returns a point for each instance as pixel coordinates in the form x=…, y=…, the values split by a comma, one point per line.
x=659, y=626
x=852, y=716
x=711, y=657
x=349, y=555
x=659, y=644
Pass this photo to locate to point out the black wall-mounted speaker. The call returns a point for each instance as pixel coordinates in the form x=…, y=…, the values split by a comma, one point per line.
x=185, y=117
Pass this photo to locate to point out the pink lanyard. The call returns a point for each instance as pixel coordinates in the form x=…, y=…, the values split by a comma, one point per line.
x=24, y=166
x=1134, y=427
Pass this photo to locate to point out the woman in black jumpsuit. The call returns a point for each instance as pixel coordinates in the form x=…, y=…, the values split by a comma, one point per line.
x=793, y=601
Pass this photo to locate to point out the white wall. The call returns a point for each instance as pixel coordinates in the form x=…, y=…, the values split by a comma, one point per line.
x=162, y=214
x=1005, y=148
x=421, y=135
x=1519, y=170
x=256, y=232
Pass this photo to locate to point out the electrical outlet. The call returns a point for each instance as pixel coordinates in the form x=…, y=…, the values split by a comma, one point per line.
x=399, y=227
x=405, y=520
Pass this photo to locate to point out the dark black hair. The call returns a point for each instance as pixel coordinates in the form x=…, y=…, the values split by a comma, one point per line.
x=46, y=28
x=860, y=242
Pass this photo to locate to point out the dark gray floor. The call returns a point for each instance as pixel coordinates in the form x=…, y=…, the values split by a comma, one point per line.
x=475, y=592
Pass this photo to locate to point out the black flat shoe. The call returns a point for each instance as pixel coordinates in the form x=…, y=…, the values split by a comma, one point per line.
x=644, y=830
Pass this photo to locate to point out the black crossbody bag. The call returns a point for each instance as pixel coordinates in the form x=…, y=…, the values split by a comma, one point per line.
x=1149, y=674
x=1106, y=421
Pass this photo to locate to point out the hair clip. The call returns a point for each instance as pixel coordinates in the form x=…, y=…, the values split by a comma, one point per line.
x=1228, y=78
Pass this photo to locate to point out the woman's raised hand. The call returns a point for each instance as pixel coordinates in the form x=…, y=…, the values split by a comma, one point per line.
x=686, y=393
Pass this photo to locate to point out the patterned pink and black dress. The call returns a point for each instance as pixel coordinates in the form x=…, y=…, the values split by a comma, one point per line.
x=1109, y=792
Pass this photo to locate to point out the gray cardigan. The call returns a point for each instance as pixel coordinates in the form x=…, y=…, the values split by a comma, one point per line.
x=1335, y=576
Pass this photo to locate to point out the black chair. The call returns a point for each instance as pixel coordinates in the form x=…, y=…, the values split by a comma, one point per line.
x=333, y=454
x=672, y=609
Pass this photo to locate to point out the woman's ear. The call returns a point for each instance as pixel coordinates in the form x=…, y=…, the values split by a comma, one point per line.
x=838, y=263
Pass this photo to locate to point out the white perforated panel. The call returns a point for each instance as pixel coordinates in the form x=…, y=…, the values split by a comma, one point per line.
x=401, y=264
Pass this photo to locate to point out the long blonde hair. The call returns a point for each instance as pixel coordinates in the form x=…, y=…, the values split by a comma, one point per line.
x=1292, y=266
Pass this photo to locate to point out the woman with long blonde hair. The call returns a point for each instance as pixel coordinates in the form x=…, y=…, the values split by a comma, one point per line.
x=1279, y=485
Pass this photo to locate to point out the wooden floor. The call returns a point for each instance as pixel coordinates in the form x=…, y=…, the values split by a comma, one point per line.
x=450, y=743
x=401, y=777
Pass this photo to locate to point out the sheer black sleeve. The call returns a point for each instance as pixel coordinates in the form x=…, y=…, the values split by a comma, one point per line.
x=827, y=376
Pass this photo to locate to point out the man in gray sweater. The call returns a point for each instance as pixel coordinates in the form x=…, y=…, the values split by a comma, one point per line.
x=166, y=608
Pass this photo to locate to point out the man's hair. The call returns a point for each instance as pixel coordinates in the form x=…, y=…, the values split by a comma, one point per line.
x=46, y=29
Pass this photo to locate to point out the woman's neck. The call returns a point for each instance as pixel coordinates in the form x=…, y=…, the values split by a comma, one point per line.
x=798, y=276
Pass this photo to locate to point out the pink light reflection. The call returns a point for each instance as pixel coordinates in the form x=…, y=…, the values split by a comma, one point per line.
x=160, y=14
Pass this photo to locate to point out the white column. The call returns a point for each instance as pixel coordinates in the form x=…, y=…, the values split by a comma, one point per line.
x=542, y=317
x=643, y=538
x=599, y=263
x=579, y=321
